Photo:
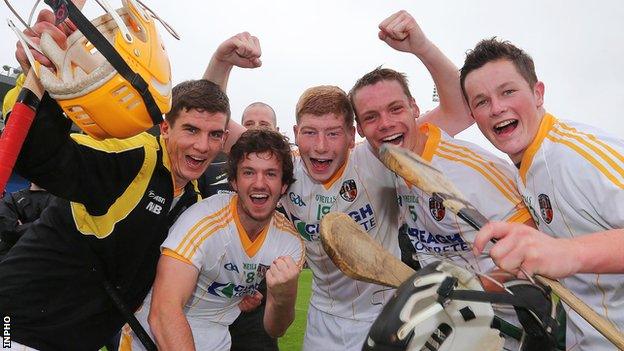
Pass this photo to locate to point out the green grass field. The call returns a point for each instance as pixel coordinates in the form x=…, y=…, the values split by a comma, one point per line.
x=293, y=339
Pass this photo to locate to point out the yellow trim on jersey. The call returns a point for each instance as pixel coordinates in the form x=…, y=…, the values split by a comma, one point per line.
x=251, y=247
x=201, y=230
x=527, y=159
x=102, y=226
x=470, y=154
x=283, y=224
x=125, y=344
x=595, y=139
x=589, y=158
x=521, y=216
x=513, y=199
x=433, y=139
x=170, y=253
x=166, y=160
x=208, y=234
x=489, y=171
x=601, y=155
x=116, y=145
x=337, y=175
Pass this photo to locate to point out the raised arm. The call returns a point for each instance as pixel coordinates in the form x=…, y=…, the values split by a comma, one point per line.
x=242, y=50
x=174, y=284
x=401, y=32
x=282, y=282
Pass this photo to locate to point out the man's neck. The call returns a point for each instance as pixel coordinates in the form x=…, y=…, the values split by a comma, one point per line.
x=252, y=227
x=517, y=158
x=178, y=187
x=419, y=140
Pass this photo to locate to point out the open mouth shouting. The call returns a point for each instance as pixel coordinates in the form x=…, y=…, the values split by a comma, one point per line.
x=505, y=127
x=320, y=164
x=259, y=199
x=195, y=162
x=395, y=139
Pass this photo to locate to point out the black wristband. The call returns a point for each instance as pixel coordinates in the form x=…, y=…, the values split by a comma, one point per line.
x=28, y=98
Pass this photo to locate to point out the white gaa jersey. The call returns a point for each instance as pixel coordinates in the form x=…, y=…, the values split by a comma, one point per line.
x=572, y=179
x=486, y=181
x=209, y=236
x=364, y=189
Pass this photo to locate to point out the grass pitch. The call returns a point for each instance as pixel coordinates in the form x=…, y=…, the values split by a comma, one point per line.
x=293, y=339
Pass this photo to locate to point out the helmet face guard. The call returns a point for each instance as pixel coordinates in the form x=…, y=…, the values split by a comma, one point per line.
x=443, y=307
x=113, y=79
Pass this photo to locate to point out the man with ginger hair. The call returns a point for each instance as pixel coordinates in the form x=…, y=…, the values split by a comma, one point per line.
x=334, y=174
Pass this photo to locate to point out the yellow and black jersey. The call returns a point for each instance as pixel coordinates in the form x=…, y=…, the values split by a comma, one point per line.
x=115, y=206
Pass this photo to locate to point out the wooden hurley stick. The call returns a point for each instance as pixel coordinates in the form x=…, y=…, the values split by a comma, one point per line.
x=423, y=175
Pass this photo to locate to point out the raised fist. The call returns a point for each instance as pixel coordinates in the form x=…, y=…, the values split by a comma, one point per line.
x=402, y=33
x=242, y=50
x=282, y=277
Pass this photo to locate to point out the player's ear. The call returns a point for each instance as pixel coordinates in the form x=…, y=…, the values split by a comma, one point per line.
x=359, y=130
x=284, y=188
x=295, y=131
x=352, y=136
x=414, y=106
x=164, y=128
x=224, y=138
x=538, y=91
x=233, y=185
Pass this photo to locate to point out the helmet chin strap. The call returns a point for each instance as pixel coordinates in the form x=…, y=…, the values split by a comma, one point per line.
x=113, y=78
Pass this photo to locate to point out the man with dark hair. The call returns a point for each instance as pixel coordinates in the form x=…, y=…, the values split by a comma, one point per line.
x=334, y=174
x=122, y=195
x=571, y=176
x=387, y=113
x=247, y=331
x=221, y=248
x=256, y=115
x=99, y=241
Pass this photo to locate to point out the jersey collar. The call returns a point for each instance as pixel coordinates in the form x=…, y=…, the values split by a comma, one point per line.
x=433, y=140
x=251, y=247
x=527, y=159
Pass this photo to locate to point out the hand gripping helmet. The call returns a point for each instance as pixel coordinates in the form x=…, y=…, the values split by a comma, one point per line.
x=113, y=79
x=443, y=307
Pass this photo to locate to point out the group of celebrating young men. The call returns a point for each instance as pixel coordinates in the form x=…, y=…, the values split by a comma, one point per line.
x=207, y=258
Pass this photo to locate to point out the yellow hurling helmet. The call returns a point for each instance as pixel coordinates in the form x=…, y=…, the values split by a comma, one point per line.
x=113, y=79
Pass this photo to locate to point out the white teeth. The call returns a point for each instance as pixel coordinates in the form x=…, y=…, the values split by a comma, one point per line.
x=392, y=137
x=320, y=160
x=504, y=123
x=259, y=196
x=197, y=159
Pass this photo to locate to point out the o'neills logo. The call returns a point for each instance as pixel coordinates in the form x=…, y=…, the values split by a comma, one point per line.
x=545, y=208
x=348, y=190
x=436, y=208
